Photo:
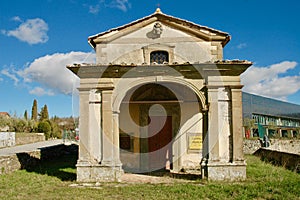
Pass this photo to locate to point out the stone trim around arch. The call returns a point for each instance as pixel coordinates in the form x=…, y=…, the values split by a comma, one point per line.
x=121, y=90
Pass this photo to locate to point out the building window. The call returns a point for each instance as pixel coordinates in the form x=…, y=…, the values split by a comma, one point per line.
x=159, y=57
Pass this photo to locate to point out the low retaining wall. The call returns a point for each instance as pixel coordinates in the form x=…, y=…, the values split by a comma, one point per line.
x=289, y=146
x=288, y=160
x=28, y=160
x=282, y=145
x=30, y=138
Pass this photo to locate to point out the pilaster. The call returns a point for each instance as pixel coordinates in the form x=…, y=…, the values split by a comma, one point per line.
x=213, y=128
x=99, y=158
x=107, y=134
x=84, y=142
x=237, y=124
x=95, y=125
x=224, y=140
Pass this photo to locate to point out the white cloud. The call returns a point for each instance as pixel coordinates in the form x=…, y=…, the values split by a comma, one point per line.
x=94, y=9
x=272, y=81
x=41, y=92
x=51, y=72
x=123, y=5
x=10, y=75
x=32, y=31
x=120, y=4
x=241, y=46
x=16, y=19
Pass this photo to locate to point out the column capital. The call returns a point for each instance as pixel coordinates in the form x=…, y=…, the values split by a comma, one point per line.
x=116, y=112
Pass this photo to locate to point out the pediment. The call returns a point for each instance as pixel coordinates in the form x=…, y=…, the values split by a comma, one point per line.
x=198, y=31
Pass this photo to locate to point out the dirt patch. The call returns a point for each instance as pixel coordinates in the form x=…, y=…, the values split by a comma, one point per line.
x=128, y=179
x=142, y=179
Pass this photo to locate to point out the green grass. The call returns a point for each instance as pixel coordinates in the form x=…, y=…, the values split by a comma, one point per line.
x=52, y=180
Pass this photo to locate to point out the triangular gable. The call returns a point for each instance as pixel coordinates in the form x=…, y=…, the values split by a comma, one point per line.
x=199, y=31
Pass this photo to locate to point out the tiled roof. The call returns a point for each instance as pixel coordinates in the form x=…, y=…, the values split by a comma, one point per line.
x=4, y=114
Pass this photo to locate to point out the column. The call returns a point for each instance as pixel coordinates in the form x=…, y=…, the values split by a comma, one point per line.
x=116, y=140
x=280, y=132
x=205, y=135
x=237, y=123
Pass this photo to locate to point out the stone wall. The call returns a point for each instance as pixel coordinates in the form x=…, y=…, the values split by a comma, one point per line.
x=250, y=146
x=30, y=138
x=28, y=160
x=289, y=146
x=282, y=145
x=288, y=160
x=7, y=139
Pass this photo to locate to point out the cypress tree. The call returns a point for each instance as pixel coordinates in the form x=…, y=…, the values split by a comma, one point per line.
x=44, y=115
x=26, y=115
x=34, y=111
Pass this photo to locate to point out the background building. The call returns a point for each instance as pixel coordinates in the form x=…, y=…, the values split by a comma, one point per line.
x=269, y=116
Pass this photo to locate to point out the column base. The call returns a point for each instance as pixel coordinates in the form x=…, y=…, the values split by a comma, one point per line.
x=219, y=171
x=91, y=173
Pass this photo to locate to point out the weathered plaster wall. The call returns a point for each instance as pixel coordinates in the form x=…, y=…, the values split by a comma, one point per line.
x=7, y=139
x=182, y=47
x=191, y=125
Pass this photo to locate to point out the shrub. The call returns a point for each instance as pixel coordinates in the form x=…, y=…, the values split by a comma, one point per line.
x=45, y=127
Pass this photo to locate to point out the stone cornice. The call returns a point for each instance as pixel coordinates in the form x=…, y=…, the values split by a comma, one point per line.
x=190, y=71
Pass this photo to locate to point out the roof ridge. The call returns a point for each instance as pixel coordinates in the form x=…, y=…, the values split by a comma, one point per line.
x=158, y=14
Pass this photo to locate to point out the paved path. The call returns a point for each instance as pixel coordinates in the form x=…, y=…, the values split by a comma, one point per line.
x=28, y=147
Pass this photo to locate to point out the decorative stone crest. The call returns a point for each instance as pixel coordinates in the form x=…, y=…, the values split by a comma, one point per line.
x=157, y=29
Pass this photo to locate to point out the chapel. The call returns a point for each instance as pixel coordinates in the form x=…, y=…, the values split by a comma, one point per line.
x=160, y=97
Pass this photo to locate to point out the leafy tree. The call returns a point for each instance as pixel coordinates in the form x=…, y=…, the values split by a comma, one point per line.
x=4, y=121
x=45, y=127
x=20, y=125
x=34, y=110
x=31, y=126
x=55, y=130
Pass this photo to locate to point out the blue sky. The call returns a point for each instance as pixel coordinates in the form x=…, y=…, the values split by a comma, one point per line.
x=39, y=38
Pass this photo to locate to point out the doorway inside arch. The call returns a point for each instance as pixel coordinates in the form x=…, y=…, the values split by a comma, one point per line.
x=156, y=121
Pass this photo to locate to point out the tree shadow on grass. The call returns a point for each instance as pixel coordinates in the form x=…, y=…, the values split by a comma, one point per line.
x=58, y=161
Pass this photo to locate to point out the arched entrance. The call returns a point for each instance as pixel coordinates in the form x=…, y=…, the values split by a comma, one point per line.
x=157, y=124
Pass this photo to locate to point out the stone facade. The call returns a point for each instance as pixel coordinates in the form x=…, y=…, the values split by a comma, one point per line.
x=160, y=90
